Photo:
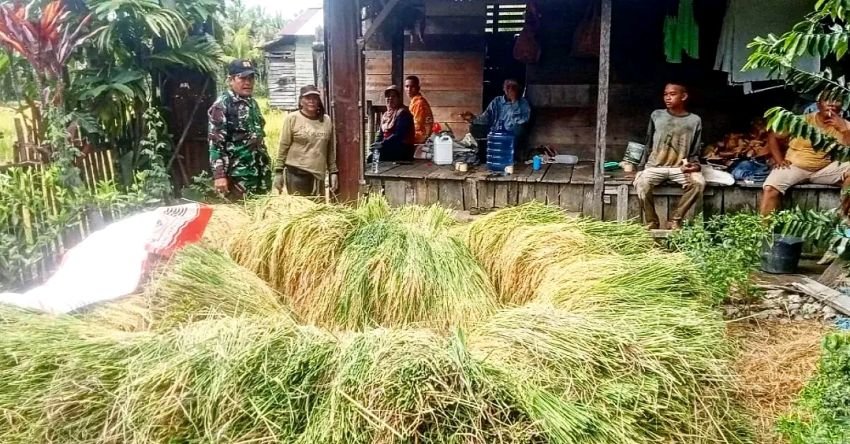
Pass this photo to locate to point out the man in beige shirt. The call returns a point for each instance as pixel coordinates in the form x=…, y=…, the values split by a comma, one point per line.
x=307, y=148
x=801, y=163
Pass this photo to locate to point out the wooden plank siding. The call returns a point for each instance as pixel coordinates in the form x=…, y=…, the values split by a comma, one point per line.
x=568, y=187
x=450, y=81
x=282, y=78
x=304, y=72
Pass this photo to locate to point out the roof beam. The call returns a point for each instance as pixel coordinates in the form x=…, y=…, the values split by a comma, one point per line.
x=379, y=21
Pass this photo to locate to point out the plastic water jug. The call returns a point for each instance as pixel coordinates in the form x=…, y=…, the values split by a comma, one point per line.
x=500, y=150
x=443, y=153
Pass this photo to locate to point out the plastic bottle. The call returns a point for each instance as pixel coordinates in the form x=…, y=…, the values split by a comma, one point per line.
x=537, y=162
x=376, y=160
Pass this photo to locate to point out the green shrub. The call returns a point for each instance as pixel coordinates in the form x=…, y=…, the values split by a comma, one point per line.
x=726, y=248
x=822, y=414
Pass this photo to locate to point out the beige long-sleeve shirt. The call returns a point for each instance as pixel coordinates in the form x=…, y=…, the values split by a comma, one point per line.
x=307, y=144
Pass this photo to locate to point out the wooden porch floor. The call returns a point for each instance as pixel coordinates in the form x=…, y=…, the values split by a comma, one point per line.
x=566, y=186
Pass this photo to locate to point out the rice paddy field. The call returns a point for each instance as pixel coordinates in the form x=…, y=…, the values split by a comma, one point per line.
x=298, y=322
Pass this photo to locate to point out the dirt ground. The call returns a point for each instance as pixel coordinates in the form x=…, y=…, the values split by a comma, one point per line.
x=774, y=362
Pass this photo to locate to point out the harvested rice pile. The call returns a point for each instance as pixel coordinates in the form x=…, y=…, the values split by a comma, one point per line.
x=337, y=325
x=775, y=361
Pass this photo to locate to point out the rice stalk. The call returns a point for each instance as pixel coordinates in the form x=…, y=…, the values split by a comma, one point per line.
x=411, y=385
x=394, y=272
x=199, y=283
x=225, y=220
x=612, y=380
x=295, y=254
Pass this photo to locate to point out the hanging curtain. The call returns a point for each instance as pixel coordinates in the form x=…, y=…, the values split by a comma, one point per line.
x=681, y=33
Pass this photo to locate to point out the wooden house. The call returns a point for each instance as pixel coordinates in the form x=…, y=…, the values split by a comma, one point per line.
x=290, y=59
x=588, y=105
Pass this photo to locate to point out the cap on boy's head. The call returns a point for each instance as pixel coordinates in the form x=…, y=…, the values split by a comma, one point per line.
x=241, y=68
x=392, y=89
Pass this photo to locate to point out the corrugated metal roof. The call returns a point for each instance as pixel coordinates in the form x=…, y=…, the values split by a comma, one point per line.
x=305, y=24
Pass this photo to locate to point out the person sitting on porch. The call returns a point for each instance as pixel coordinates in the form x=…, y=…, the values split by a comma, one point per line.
x=674, y=140
x=510, y=112
x=395, y=138
x=423, y=118
x=799, y=162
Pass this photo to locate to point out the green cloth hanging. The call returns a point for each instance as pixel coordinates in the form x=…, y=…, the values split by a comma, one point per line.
x=681, y=33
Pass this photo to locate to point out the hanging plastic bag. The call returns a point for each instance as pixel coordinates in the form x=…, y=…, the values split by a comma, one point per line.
x=586, y=39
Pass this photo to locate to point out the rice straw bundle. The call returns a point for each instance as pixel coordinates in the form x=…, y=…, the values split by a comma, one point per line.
x=225, y=220
x=489, y=234
x=585, y=378
x=295, y=254
x=199, y=283
x=393, y=273
x=620, y=237
x=533, y=254
x=58, y=375
x=131, y=313
x=233, y=380
x=277, y=207
x=623, y=280
x=400, y=386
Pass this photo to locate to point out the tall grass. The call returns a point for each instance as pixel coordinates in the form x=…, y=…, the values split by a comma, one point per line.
x=274, y=123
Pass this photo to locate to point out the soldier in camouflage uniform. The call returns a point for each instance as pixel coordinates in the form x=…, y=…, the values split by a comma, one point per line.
x=238, y=154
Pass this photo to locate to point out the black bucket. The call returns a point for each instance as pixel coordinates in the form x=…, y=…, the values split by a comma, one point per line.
x=783, y=256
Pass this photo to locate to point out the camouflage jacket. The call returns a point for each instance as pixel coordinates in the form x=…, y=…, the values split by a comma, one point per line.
x=237, y=142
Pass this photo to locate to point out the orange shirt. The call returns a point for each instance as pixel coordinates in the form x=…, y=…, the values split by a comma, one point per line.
x=423, y=118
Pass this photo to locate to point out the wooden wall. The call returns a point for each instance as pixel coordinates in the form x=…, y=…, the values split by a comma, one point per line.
x=450, y=81
x=450, y=62
x=282, y=77
x=304, y=72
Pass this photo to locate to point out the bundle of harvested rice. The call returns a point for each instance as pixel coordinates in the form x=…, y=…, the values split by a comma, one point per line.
x=395, y=272
x=620, y=237
x=296, y=253
x=277, y=207
x=522, y=247
x=225, y=220
x=129, y=314
x=623, y=281
x=585, y=378
x=199, y=283
x=58, y=375
x=488, y=235
x=534, y=254
x=399, y=386
x=234, y=380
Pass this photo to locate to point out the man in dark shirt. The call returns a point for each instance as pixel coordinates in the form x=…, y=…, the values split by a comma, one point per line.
x=674, y=141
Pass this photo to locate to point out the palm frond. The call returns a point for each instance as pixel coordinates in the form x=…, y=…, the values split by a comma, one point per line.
x=201, y=53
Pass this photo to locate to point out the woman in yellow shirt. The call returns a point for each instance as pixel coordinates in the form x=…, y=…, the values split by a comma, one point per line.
x=307, y=148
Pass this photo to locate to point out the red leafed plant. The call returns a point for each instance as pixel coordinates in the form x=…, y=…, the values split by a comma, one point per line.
x=46, y=41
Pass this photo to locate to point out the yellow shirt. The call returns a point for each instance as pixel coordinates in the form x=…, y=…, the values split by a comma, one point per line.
x=802, y=154
x=308, y=144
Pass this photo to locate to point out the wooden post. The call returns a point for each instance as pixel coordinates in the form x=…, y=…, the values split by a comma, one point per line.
x=342, y=22
x=398, y=56
x=602, y=109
